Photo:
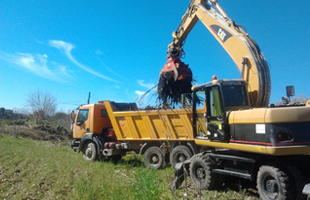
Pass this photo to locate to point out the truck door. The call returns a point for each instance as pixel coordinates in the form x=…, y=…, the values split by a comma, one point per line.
x=216, y=121
x=82, y=124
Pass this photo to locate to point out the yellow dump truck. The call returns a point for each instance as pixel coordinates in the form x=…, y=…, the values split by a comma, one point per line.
x=110, y=129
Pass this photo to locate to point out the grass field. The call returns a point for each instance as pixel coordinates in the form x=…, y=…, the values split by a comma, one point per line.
x=33, y=169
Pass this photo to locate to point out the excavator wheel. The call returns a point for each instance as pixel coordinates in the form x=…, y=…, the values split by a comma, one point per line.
x=201, y=173
x=274, y=183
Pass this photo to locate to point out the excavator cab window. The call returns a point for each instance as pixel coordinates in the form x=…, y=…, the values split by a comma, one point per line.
x=234, y=95
x=199, y=113
x=216, y=115
x=215, y=102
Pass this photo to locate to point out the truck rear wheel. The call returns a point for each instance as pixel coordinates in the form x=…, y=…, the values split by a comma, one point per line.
x=153, y=158
x=201, y=173
x=89, y=151
x=273, y=183
x=179, y=154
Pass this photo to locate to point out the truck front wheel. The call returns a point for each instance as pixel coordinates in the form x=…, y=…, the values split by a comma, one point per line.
x=273, y=183
x=153, y=158
x=89, y=151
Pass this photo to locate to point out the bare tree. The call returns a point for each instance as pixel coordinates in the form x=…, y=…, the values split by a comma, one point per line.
x=301, y=100
x=63, y=118
x=21, y=110
x=43, y=105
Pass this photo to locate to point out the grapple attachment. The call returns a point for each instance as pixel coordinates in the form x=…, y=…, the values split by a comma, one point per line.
x=175, y=79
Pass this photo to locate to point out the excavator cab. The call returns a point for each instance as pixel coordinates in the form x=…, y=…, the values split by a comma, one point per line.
x=221, y=97
x=216, y=116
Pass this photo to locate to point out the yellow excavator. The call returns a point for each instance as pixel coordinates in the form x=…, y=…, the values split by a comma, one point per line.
x=244, y=135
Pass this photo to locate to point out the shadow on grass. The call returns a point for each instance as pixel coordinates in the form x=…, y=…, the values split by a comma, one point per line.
x=131, y=160
x=239, y=184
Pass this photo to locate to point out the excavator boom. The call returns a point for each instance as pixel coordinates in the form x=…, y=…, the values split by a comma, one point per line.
x=236, y=41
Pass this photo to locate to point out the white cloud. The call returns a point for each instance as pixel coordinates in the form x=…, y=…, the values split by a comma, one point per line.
x=38, y=64
x=39, y=42
x=146, y=85
x=64, y=71
x=35, y=63
x=111, y=71
x=98, y=52
x=67, y=47
x=139, y=93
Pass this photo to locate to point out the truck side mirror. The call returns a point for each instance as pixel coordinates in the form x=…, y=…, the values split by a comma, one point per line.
x=290, y=91
x=72, y=116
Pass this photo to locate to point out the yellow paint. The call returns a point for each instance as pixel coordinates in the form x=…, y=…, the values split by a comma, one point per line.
x=270, y=115
x=275, y=151
x=153, y=124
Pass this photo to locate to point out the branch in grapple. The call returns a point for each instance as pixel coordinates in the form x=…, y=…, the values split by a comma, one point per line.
x=175, y=79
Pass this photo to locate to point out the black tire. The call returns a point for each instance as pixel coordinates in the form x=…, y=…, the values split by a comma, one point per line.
x=200, y=170
x=299, y=179
x=89, y=151
x=153, y=158
x=179, y=154
x=274, y=183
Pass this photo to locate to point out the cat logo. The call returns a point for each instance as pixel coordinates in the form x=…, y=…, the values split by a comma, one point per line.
x=221, y=33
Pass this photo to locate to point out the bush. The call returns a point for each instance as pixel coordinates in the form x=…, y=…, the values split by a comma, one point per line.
x=19, y=122
x=43, y=130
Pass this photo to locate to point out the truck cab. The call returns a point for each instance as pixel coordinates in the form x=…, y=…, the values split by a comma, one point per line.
x=90, y=119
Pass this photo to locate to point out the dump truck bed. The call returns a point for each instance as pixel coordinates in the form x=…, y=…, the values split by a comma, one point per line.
x=137, y=124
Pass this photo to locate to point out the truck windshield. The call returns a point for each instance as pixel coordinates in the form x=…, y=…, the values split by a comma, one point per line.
x=83, y=115
x=235, y=95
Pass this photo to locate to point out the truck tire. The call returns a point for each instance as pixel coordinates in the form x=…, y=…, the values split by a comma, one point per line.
x=89, y=151
x=179, y=154
x=200, y=170
x=273, y=183
x=153, y=158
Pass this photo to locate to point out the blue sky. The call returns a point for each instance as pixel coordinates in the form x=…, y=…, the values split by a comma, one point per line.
x=116, y=49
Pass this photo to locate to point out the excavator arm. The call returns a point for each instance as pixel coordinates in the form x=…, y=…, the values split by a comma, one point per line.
x=235, y=40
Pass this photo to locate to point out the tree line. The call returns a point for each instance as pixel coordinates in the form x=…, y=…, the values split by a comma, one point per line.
x=40, y=106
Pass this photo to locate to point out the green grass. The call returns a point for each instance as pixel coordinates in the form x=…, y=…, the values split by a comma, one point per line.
x=32, y=169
